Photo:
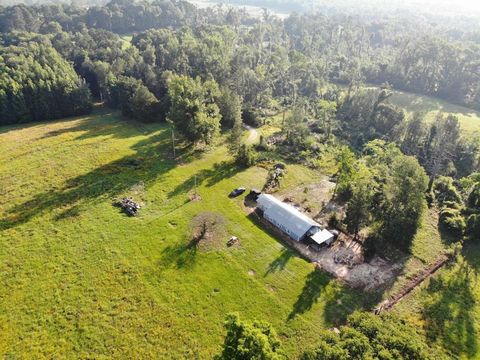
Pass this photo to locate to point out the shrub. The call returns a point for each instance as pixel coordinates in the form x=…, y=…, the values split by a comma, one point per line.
x=246, y=156
x=367, y=336
x=249, y=340
x=250, y=117
x=445, y=191
x=473, y=227
x=452, y=221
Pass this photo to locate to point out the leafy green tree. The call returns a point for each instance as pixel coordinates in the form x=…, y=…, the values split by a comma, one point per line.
x=388, y=189
x=360, y=204
x=345, y=174
x=230, y=106
x=193, y=110
x=133, y=99
x=368, y=336
x=445, y=191
x=295, y=128
x=440, y=145
x=37, y=84
x=415, y=132
x=247, y=340
x=246, y=155
x=235, y=138
x=403, y=198
x=327, y=114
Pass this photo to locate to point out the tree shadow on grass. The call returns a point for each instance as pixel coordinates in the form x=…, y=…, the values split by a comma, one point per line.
x=280, y=262
x=344, y=300
x=314, y=285
x=181, y=256
x=150, y=163
x=449, y=309
x=210, y=177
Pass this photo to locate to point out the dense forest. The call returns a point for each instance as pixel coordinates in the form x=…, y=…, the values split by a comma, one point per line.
x=204, y=71
x=264, y=57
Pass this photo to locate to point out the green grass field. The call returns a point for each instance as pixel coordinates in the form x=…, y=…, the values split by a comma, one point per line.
x=469, y=119
x=79, y=279
x=446, y=306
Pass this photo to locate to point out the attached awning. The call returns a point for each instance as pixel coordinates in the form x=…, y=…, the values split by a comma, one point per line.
x=322, y=237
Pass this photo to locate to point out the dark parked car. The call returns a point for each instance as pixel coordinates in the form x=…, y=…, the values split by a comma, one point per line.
x=237, y=192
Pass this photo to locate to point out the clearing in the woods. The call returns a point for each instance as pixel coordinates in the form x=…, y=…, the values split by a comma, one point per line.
x=81, y=279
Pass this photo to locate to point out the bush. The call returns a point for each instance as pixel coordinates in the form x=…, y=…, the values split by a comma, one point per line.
x=246, y=156
x=445, y=191
x=473, y=227
x=452, y=221
x=367, y=336
x=333, y=220
x=249, y=340
x=251, y=117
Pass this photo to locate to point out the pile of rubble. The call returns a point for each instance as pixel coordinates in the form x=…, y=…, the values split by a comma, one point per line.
x=129, y=206
x=274, y=176
x=344, y=259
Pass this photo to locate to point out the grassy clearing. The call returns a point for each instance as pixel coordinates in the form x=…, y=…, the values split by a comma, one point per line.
x=469, y=119
x=427, y=246
x=126, y=41
x=447, y=306
x=80, y=279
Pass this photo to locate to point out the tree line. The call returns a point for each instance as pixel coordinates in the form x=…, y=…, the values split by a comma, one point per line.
x=282, y=58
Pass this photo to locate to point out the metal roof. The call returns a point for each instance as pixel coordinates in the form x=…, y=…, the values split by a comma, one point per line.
x=323, y=236
x=285, y=216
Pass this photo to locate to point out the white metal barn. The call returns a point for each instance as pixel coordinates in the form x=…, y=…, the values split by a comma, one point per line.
x=291, y=221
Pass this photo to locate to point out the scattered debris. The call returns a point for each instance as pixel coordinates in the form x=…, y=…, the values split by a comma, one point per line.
x=195, y=197
x=232, y=241
x=273, y=179
x=129, y=206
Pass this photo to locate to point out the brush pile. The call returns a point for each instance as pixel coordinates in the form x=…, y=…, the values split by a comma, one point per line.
x=128, y=206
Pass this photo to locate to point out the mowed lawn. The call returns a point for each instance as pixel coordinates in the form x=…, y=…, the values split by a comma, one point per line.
x=79, y=279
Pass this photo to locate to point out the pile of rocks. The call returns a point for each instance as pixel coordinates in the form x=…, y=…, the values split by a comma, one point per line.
x=129, y=206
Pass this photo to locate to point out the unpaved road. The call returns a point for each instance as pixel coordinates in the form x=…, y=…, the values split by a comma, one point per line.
x=253, y=134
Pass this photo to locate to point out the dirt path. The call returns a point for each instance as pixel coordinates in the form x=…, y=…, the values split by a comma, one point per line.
x=417, y=280
x=253, y=134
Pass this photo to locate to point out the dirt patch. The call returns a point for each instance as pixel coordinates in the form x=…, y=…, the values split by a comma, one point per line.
x=344, y=260
x=207, y=231
x=252, y=272
x=310, y=198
